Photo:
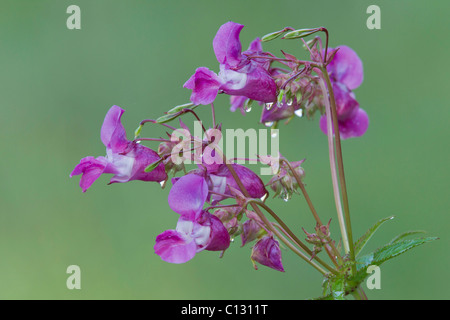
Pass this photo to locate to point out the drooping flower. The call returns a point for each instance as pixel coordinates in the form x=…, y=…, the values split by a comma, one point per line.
x=238, y=76
x=196, y=229
x=346, y=74
x=220, y=179
x=267, y=252
x=125, y=159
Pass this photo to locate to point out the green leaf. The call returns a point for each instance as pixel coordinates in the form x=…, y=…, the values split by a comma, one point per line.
x=359, y=245
x=406, y=234
x=389, y=251
x=381, y=255
x=338, y=289
x=395, y=249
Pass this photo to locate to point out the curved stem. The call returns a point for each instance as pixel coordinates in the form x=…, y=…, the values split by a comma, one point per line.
x=267, y=222
x=154, y=121
x=151, y=139
x=313, y=210
x=334, y=178
x=293, y=236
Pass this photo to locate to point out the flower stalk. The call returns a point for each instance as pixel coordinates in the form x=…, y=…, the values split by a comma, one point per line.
x=340, y=165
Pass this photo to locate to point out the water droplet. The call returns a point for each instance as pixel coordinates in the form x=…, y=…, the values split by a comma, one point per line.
x=264, y=197
x=274, y=133
x=163, y=183
x=290, y=102
x=269, y=105
x=268, y=124
x=299, y=113
x=286, y=196
x=248, y=108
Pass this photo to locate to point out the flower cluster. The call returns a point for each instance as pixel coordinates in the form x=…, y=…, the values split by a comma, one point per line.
x=289, y=90
x=213, y=199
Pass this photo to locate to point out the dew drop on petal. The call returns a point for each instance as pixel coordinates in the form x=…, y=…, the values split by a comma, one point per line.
x=268, y=124
x=269, y=105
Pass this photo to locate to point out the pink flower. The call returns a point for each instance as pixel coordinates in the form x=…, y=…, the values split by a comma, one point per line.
x=346, y=74
x=196, y=229
x=125, y=159
x=238, y=76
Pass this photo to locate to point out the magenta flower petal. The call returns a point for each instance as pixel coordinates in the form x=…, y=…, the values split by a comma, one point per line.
x=250, y=231
x=91, y=169
x=346, y=67
x=113, y=134
x=346, y=103
x=143, y=158
x=267, y=252
x=219, y=238
x=204, y=84
x=173, y=247
x=277, y=113
x=354, y=126
x=254, y=47
x=250, y=180
x=252, y=81
x=237, y=102
x=226, y=43
x=188, y=195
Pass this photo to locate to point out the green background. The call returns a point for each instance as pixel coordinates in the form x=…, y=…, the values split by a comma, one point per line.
x=57, y=84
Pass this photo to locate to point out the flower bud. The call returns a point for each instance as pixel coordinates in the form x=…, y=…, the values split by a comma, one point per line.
x=251, y=230
x=272, y=36
x=267, y=252
x=301, y=33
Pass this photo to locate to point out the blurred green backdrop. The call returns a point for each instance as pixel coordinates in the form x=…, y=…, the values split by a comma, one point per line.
x=57, y=84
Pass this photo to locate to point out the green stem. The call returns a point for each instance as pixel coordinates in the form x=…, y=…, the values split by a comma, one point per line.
x=313, y=210
x=340, y=166
x=293, y=236
x=359, y=294
x=334, y=178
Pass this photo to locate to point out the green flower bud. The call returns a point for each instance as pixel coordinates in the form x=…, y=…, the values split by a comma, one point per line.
x=301, y=33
